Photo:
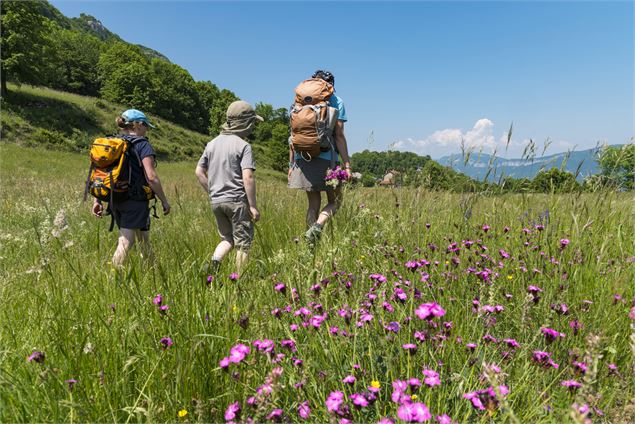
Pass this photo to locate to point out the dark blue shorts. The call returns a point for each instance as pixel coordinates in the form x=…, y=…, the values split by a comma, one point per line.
x=132, y=214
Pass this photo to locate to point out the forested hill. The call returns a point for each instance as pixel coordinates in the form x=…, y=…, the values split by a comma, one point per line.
x=42, y=47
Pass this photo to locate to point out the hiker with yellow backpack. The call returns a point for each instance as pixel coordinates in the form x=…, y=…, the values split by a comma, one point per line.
x=122, y=173
x=317, y=120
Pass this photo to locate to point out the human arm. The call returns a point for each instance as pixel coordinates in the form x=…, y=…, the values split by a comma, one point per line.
x=154, y=182
x=250, y=190
x=291, y=160
x=201, y=174
x=98, y=208
x=342, y=147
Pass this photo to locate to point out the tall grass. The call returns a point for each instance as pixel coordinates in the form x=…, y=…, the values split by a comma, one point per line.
x=59, y=296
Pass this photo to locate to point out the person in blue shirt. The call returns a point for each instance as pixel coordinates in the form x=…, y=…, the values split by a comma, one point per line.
x=309, y=175
x=132, y=214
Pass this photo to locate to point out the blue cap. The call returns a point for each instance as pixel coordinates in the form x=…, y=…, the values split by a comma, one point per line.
x=134, y=115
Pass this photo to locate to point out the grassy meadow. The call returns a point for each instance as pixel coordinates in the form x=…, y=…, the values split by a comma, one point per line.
x=516, y=307
x=36, y=116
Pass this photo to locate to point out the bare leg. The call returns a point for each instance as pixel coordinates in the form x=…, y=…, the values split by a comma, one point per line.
x=146, y=248
x=315, y=199
x=125, y=243
x=222, y=249
x=334, y=202
x=242, y=256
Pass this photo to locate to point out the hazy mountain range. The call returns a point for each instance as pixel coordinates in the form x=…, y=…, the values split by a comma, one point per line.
x=581, y=163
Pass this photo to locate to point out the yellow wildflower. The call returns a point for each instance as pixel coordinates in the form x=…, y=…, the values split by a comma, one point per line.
x=375, y=384
x=182, y=413
x=414, y=397
x=235, y=309
x=510, y=277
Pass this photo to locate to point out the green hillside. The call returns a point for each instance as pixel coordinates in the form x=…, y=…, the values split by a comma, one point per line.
x=34, y=116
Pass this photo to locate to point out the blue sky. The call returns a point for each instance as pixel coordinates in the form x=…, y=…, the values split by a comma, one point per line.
x=418, y=76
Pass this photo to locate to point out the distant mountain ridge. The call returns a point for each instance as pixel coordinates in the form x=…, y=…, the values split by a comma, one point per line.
x=482, y=166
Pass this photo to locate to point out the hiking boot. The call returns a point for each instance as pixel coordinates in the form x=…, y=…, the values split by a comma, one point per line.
x=313, y=234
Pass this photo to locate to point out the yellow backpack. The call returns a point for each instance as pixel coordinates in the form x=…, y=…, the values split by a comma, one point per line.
x=110, y=170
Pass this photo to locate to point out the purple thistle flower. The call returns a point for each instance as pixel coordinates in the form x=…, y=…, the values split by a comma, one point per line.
x=224, y=363
x=474, y=398
x=280, y=287
x=233, y=276
x=431, y=378
x=71, y=383
x=414, y=382
x=564, y=243
x=571, y=384
x=36, y=356
x=575, y=326
x=157, y=300
x=385, y=421
x=349, y=379
x=265, y=346
x=445, y=419
x=275, y=415
x=580, y=367
x=551, y=334
x=392, y=326
x=166, y=342
x=410, y=347
x=289, y=344
x=304, y=411
x=358, y=400
x=512, y=343
x=429, y=311
x=413, y=412
x=334, y=401
x=486, y=399
x=163, y=309
x=232, y=412
x=544, y=359
x=534, y=289
x=237, y=353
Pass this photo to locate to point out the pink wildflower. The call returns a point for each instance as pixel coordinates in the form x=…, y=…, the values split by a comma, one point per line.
x=232, y=412
x=304, y=411
x=431, y=378
x=429, y=311
x=413, y=412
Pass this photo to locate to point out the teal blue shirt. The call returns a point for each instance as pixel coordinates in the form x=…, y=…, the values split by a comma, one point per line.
x=337, y=103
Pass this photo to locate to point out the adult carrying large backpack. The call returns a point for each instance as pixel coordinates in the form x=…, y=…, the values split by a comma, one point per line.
x=110, y=176
x=312, y=119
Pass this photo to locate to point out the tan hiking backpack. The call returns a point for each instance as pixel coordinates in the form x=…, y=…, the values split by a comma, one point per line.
x=312, y=119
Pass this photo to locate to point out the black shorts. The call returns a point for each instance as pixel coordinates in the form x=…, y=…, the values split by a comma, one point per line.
x=132, y=214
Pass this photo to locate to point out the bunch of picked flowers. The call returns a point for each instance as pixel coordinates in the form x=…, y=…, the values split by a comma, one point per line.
x=336, y=176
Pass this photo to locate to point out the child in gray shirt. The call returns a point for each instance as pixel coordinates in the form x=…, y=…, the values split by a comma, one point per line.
x=226, y=172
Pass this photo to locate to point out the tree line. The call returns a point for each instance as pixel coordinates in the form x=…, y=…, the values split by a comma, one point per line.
x=40, y=46
x=617, y=172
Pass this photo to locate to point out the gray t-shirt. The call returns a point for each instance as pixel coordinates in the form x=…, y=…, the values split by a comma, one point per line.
x=224, y=158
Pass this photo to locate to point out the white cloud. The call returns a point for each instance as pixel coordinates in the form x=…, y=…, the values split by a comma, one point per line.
x=479, y=137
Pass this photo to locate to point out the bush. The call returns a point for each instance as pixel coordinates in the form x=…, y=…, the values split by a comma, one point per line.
x=42, y=137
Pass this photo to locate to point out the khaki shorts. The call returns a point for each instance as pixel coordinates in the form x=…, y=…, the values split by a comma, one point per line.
x=234, y=223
